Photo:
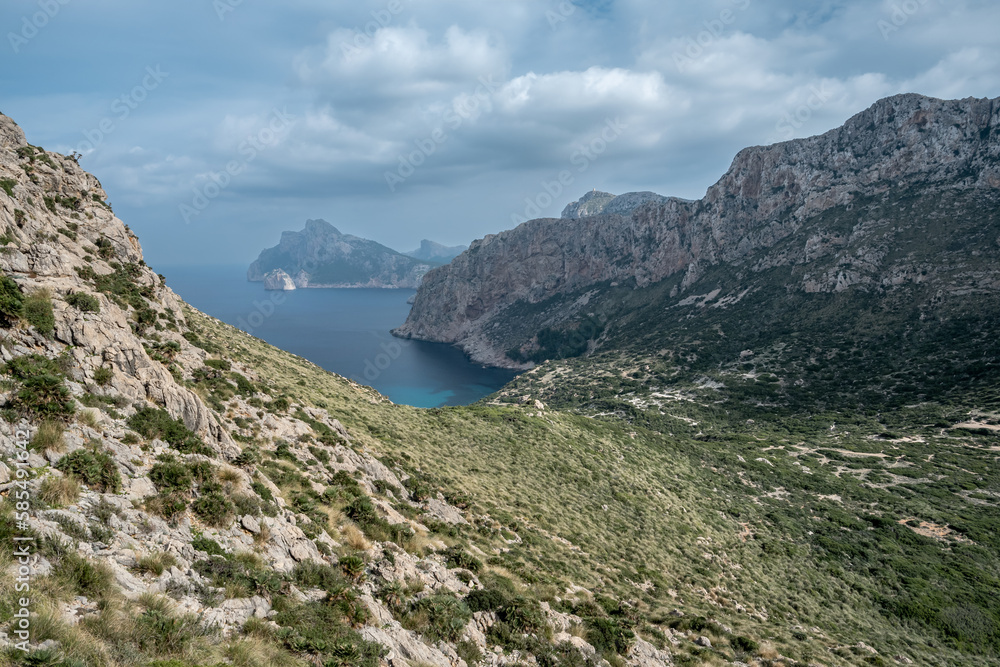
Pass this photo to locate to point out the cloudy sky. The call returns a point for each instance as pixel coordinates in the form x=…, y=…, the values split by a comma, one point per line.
x=216, y=124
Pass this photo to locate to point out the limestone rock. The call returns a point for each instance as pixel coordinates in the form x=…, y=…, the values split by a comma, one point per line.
x=763, y=200
x=278, y=280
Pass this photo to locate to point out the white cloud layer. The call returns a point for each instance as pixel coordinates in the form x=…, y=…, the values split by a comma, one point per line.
x=411, y=120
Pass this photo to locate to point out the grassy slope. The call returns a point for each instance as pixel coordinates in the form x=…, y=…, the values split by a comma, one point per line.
x=716, y=513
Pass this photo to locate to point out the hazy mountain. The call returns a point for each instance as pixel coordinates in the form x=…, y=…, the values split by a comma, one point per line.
x=321, y=256
x=429, y=251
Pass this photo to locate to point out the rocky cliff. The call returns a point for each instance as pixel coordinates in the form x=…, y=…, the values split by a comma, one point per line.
x=776, y=206
x=321, y=256
x=596, y=203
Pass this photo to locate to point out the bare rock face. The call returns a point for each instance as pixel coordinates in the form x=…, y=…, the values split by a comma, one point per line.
x=766, y=197
x=65, y=240
x=278, y=280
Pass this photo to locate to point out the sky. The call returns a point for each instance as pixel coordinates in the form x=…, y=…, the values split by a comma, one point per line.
x=215, y=125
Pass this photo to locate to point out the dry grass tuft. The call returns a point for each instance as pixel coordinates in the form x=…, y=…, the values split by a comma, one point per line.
x=59, y=491
x=49, y=437
x=355, y=538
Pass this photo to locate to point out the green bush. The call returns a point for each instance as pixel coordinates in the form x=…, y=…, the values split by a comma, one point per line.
x=84, y=302
x=744, y=644
x=208, y=545
x=103, y=375
x=42, y=392
x=214, y=509
x=83, y=576
x=218, y=364
x=322, y=630
x=45, y=396
x=11, y=301
x=96, y=469
x=353, y=567
x=325, y=577
x=439, y=617
x=609, y=635
x=38, y=311
x=157, y=423
x=457, y=557
x=170, y=475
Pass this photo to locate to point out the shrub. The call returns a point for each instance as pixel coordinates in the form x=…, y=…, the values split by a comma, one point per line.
x=11, y=301
x=457, y=557
x=167, y=505
x=38, y=311
x=159, y=631
x=59, y=491
x=218, y=364
x=84, y=302
x=439, y=617
x=214, y=509
x=103, y=375
x=157, y=423
x=246, y=504
x=313, y=575
x=322, y=630
x=45, y=396
x=744, y=644
x=49, y=436
x=609, y=635
x=7, y=185
x=208, y=545
x=85, y=577
x=170, y=475
x=353, y=567
x=96, y=469
x=263, y=491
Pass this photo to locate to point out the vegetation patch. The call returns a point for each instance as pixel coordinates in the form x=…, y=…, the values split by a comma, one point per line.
x=95, y=468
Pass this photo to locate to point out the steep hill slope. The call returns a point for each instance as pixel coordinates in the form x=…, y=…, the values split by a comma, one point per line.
x=893, y=213
x=321, y=256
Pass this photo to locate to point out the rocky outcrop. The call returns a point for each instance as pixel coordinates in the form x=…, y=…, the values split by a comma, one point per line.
x=596, y=203
x=278, y=280
x=770, y=195
x=64, y=241
x=321, y=256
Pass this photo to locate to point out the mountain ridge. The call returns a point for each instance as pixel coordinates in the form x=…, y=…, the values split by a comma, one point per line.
x=766, y=196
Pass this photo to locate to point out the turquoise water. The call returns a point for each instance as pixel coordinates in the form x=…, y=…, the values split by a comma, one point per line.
x=345, y=331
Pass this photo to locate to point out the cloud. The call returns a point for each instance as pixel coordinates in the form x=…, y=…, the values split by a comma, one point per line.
x=509, y=94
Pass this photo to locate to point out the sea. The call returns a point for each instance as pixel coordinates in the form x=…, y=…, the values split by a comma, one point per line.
x=345, y=331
